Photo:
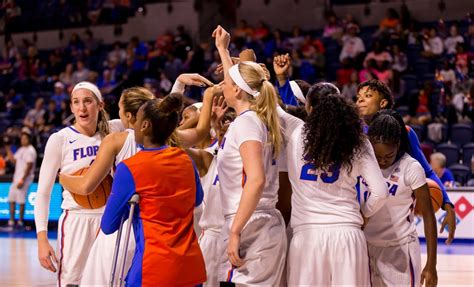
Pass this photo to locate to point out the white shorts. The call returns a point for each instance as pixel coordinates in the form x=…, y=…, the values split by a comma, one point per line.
x=76, y=235
x=18, y=195
x=328, y=255
x=212, y=251
x=396, y=265
x=99, y=264
x=263, y=247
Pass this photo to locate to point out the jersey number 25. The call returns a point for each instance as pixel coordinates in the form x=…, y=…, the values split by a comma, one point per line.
x=308, y=172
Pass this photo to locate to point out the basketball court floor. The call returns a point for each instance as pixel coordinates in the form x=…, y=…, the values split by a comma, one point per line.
x=20, y=267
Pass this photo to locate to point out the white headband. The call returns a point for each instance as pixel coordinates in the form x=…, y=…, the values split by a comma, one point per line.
x=197, y=105
x=297, y=92
x=234, y=73
x=90, y=87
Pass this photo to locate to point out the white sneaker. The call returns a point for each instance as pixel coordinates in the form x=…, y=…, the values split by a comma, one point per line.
x=11, y=223
x=20, y=223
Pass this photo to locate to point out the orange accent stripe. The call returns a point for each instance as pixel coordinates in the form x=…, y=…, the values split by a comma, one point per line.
x=62, y=247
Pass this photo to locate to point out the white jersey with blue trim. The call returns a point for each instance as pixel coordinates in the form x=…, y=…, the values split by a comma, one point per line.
x=129, y=148
x=395, y=220
x=246, y=127
x=212, y=217
x=66, y=151
x=328, y=198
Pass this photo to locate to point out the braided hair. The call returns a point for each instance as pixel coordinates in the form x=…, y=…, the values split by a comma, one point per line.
x=388, y=127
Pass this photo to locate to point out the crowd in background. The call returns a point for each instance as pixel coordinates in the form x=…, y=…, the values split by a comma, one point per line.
x=429, y=67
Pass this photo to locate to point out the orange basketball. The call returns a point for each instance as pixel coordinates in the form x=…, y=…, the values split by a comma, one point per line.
x=96, y=199
x=436, y=196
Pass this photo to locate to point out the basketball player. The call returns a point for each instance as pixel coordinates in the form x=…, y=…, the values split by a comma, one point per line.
x=68, y=150
x=393, y=244
x=25, y=164
x=254, y=230
x=115, y=148
x=167, y=252
x=325, y=156
x=372, y=96
x=212, y=218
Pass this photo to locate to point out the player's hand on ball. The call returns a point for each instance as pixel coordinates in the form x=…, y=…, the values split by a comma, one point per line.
x=45, y=254
x=233, y=250
x=429, y=277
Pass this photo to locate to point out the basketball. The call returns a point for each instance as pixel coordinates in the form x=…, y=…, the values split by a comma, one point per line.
x=96, y=199
x=436, y=196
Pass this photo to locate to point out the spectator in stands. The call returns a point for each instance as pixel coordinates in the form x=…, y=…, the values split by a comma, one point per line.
x=65, y=112
x=261, y=31
x=25, y=163
x=349, y=90
x=432, y=44
x=452, y=40
x=379, y=54
x=470, y=38
x=296, y=41
x=462, y=62
x=243, y=30
x=399, y=66
x=391, y=20
x=59, y=94
x=75, y=47
x=332, y=29
x=438, y=163
x=66, y=77
x=118, y=54
x=446, y=75
x=3, y=165
x=106, y=83
x=138, y=53
x=352, y=45
x=52, y=117
x=34, y=115
x=81, y=73
x=15, y=105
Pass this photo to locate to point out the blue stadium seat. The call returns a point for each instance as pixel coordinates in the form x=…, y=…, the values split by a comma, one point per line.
x=461, y=134
x=451, y=151
x=410, y=82
x=420, y=131
x=461, y=173
x=422, y=67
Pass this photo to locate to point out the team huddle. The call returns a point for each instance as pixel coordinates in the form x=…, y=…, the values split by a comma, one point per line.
x=346, y=179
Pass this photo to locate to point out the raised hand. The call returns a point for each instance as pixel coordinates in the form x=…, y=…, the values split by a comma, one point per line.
x=281, y=65
x=194, y=80
x=222, y=38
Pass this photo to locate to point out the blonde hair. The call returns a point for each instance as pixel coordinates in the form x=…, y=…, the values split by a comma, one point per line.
x=265, y=104
x=133, y=98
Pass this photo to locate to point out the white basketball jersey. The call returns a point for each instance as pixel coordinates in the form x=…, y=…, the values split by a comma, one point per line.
x=395, y=220
x=23, y=156
x=327, y=197
x=212, y=216
x=246, y=127
x=77, y=151
x=129, y=148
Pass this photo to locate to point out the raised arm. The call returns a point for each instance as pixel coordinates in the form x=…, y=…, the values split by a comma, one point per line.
x=191, y=137
x=103, y=163
x=222, y=40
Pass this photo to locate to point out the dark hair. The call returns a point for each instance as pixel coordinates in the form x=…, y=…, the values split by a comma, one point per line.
x=387, y=126
x=333, y=132
x=321, y=89
x=379, y=87
x=163, y=115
